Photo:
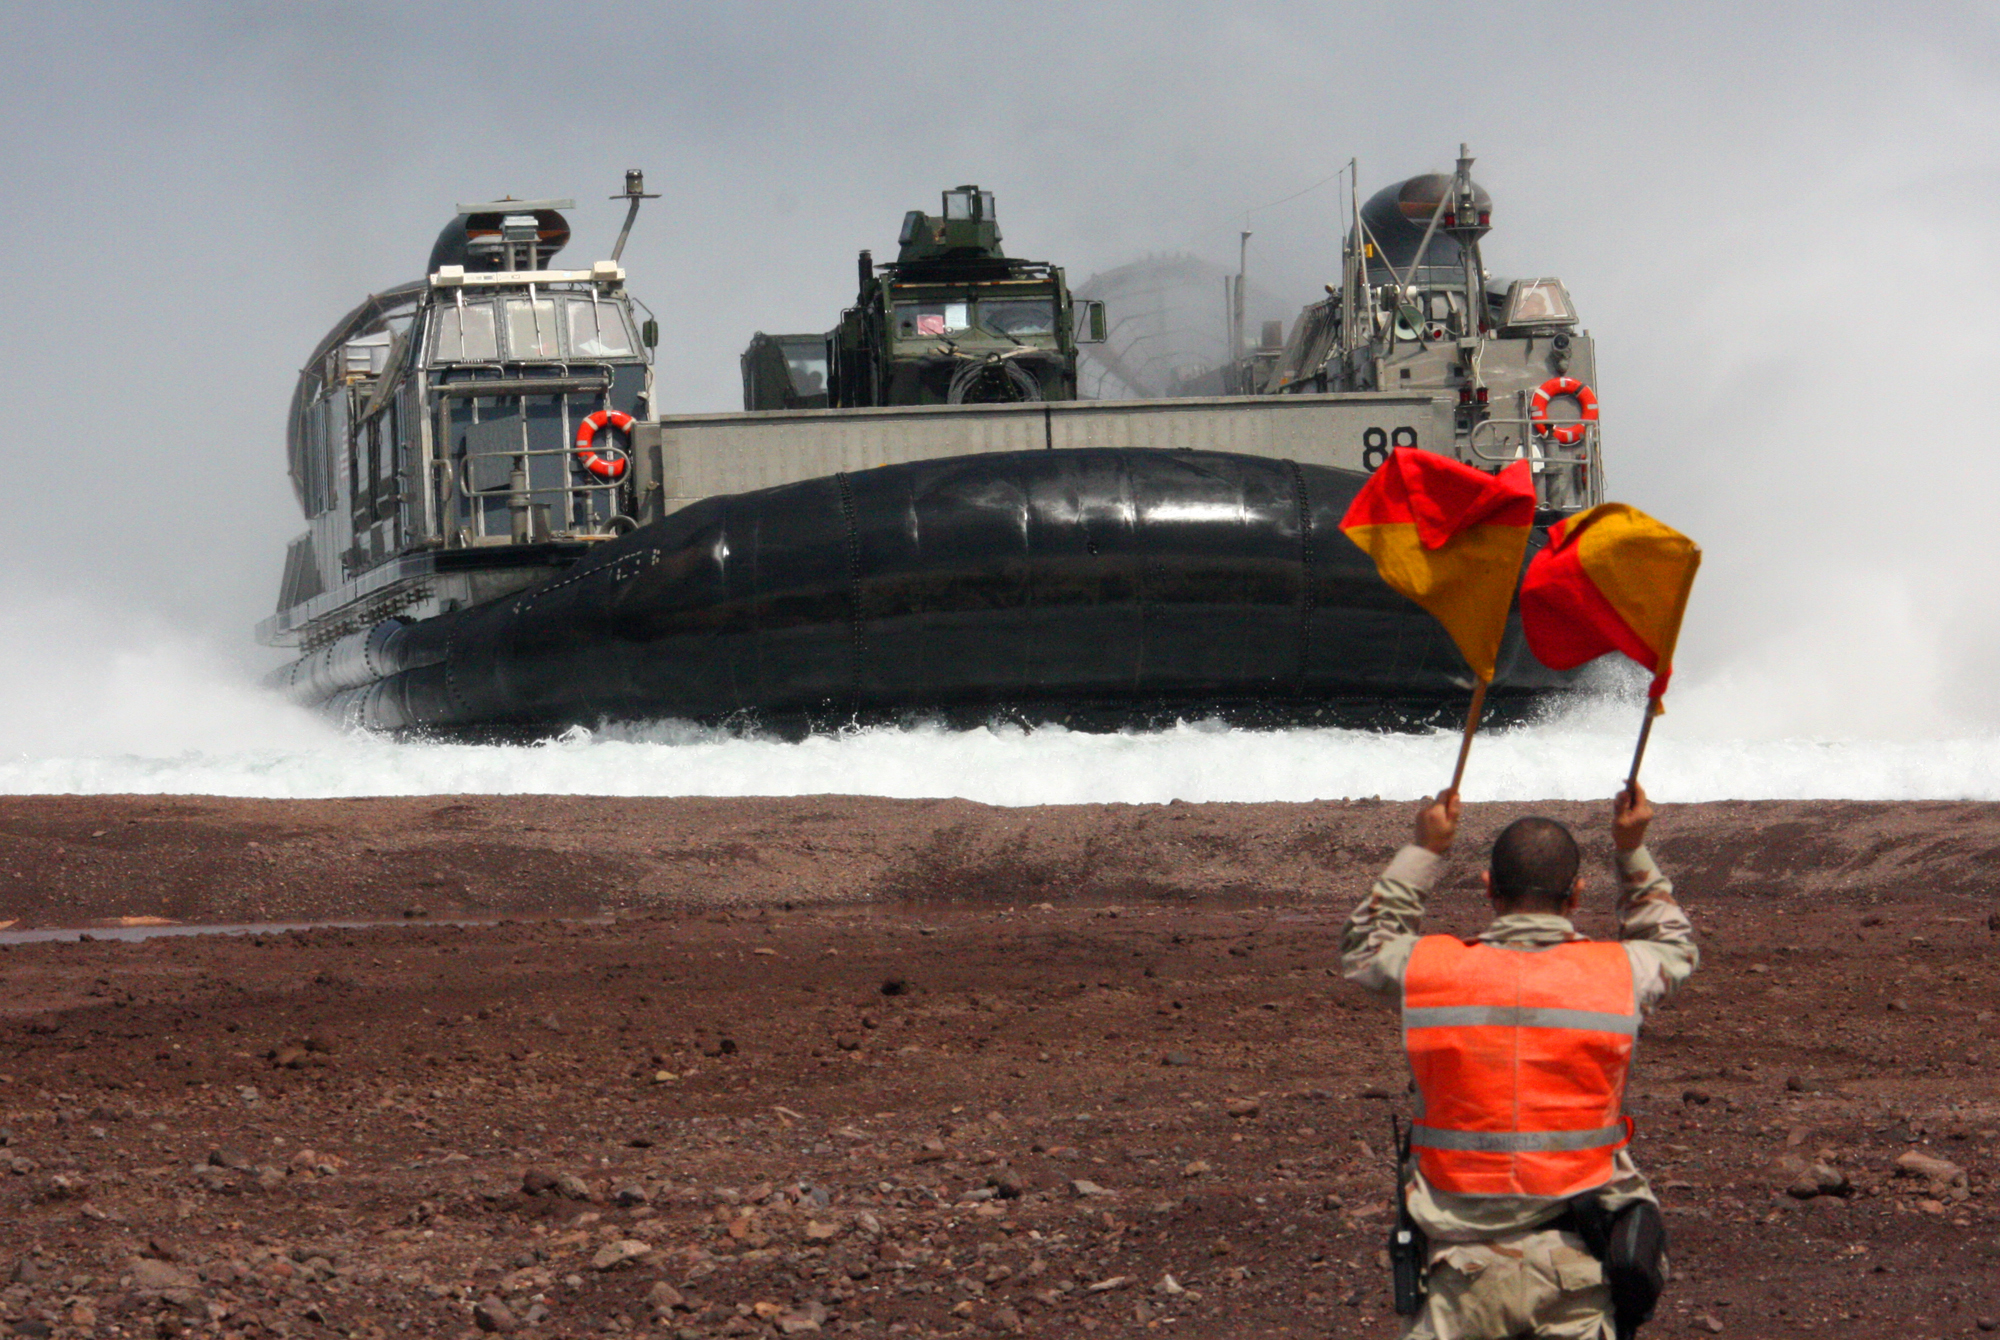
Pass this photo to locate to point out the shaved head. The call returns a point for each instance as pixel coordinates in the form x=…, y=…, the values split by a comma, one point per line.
x=1534, y=866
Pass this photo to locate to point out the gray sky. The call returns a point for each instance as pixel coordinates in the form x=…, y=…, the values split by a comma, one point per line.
x=1775, y=218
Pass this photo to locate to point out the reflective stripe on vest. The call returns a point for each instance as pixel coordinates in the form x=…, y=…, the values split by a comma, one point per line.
x=1520, y=1057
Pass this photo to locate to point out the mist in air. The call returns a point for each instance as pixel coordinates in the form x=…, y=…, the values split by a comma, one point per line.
x=1775, y=221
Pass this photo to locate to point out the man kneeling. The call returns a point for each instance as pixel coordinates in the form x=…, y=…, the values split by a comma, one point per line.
x=1537, y=1221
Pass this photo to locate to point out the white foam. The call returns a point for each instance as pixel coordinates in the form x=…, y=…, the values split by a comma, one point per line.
x=103, y=702
x=1579, y=754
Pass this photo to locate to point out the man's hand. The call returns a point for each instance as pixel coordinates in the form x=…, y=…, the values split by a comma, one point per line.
x=1630, y=813
x=1437, y=822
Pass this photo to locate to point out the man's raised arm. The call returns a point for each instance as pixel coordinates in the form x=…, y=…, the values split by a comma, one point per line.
x=1382, y=930
x=1657, y=933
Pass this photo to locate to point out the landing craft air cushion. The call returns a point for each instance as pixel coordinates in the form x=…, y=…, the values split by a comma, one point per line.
x=507, y=537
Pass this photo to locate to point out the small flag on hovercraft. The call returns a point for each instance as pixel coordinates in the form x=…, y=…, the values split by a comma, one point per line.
x=1450, y=538
x=1611, y=579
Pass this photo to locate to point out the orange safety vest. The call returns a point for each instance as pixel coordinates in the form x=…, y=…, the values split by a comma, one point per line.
x=1520, y=1057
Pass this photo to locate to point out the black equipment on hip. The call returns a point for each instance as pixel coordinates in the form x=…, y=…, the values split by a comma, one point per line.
x=1632, y=1244
x=1408, y=1248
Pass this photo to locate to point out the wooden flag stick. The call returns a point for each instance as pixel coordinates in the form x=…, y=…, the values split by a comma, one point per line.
x=1653, y=705
x=1471, y=725
x=1653, y=709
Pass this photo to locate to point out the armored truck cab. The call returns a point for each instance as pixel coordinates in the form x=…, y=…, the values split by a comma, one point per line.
x=785, y=372
x=954, y=320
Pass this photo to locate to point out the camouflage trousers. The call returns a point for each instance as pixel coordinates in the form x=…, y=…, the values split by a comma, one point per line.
x=1539, y=1283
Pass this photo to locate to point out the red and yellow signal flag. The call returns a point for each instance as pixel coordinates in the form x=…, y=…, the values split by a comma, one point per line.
x=1611, y=579
x=1450, y=538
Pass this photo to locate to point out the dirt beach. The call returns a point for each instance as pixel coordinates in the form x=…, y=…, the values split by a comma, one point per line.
x=856, y=1066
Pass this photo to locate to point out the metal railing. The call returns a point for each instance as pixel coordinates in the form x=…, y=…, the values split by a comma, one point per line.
x=1566, y=476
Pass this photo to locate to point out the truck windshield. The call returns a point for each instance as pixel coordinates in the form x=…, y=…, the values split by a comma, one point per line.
x=918, y=319
x=464, y=334
x=531, y=328
x=806, y=363
x=598, y=330
x=1018, y=316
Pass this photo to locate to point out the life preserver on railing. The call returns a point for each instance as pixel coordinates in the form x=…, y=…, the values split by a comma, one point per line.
x=586, y=433
x=1586, y=403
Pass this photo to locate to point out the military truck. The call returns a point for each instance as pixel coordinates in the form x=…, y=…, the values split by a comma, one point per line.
x=953, y=320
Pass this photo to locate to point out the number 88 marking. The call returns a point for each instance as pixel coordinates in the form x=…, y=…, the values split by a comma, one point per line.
x=1375, y=445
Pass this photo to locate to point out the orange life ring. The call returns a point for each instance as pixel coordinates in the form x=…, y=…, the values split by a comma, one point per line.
x=1568, y=434
x=586, y=433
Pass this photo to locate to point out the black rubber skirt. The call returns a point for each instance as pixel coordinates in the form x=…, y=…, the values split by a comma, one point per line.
x=1099, y=587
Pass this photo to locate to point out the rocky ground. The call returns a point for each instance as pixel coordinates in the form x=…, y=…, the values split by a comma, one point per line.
x=833, y=1065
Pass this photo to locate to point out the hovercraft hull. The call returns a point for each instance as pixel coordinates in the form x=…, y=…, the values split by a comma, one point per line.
x=1090, y=584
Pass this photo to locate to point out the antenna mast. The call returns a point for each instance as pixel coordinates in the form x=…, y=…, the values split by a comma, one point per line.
x=635, y=191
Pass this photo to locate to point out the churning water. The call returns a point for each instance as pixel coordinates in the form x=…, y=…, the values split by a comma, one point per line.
x=166, y=715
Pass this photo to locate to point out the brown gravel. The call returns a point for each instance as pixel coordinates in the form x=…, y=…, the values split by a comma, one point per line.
x=849, y=1066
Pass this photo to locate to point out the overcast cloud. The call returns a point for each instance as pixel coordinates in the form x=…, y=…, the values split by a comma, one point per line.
x=1776, y=219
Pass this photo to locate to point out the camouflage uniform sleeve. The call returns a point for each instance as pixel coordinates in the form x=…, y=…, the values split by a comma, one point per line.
x=1658, y=936
x=1381, y=932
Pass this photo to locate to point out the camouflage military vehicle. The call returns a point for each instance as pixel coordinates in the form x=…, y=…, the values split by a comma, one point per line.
x=953, y=320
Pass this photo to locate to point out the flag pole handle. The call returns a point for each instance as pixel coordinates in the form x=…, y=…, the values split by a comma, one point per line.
x=1471, y=725
x=1645, y=734
x=1653, y=705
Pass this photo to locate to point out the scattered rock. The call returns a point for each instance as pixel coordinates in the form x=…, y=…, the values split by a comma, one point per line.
x=495, y=1316
x=616, y=1255
x=231, y=1158
x=1697, y=1097
x=1911, y=1163
x=801, y=1321
x=1176, y=1058
x=632, y=1194
x=1243, y=1108
x=1817, y=1179
x=1085, y=1188
x=1709, y=1322
x=571, y=1187
x=151, y=1276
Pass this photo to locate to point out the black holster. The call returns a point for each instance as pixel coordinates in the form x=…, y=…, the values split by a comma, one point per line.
x=1632, y=1244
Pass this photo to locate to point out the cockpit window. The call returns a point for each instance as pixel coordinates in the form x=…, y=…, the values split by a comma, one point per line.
x=598, y=330
x=464, y=334
x=806, y=364
x=1019, y=316
x=1538, y=302
x=531, y=329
